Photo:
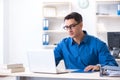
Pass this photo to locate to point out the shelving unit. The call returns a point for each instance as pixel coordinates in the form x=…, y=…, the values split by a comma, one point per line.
x=55, y=12
x=107, y=18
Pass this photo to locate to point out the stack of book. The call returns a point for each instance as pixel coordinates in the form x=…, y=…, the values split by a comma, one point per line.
x=11, y=68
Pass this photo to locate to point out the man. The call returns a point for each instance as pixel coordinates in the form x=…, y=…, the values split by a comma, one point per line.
x=80, y=50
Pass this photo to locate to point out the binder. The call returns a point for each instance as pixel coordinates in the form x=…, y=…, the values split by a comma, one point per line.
x=45, y=24
x=110, y=71
x=45, y=39
x=118, y=9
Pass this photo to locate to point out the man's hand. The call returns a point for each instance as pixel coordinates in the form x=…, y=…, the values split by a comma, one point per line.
x=92, y=68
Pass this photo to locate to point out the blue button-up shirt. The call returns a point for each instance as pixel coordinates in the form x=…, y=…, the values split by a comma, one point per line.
x=90, y=51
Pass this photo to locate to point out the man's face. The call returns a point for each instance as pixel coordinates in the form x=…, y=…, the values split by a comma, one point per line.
x=73, y=28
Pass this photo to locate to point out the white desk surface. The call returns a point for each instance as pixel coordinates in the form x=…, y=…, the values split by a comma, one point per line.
x=117, y=59
x=94, y=75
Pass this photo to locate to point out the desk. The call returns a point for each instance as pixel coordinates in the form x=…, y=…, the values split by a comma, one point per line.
x=117, y=60
x=66, y=76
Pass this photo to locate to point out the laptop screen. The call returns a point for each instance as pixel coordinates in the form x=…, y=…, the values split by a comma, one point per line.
x=42, y=61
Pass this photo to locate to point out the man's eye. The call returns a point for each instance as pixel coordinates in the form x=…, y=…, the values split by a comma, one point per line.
x=67, y=26
x=72, y=25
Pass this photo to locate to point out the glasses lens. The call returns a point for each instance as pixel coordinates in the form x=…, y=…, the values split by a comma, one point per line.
x=70, y=27
x=65, y=27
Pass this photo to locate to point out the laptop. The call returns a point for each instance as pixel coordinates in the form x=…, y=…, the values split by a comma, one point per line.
x=43, y=61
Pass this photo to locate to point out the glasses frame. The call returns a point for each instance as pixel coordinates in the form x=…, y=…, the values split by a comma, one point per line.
x=70, y=26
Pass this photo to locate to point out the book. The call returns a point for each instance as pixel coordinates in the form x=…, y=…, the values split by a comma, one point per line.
x=13, y=70
x=10, y=66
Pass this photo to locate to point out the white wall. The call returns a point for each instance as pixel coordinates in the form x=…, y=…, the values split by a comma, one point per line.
x=24, y=28
x=89, y=18
x=1, y=31
x=6, y=30
x=23, y=24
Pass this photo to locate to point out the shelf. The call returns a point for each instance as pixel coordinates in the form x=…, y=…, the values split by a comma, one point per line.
x=57, y=16
x=108, y=16
x=107, y=0
x=56, y=4
x=105, y=32
x=60, y=17
x=55, y=31
x=49, y=46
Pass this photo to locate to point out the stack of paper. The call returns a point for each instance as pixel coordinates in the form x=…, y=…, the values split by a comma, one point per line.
x=11, y=68
x=110, y=71
x=113, y=73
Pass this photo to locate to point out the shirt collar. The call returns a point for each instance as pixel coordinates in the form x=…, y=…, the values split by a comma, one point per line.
x=85, y=38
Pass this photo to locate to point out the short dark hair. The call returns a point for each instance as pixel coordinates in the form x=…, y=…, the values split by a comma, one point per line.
x=74, y=15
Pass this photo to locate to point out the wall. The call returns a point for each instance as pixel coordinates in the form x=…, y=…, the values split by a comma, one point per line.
x=22, y=29
x=89, y=18
x=1, y=31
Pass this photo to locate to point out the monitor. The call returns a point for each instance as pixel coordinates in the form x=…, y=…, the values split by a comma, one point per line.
x=113, y=40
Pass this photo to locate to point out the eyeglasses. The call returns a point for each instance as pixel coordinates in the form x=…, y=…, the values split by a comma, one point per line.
x=70, y=26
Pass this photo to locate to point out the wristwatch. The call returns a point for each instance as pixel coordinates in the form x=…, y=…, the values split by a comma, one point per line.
x=99, y=66
x=83, y=3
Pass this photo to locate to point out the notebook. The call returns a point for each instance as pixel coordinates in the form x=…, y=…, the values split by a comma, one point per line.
x=43, y=61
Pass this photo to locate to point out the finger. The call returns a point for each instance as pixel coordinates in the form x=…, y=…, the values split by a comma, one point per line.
x=95, y=68
x=88, y=68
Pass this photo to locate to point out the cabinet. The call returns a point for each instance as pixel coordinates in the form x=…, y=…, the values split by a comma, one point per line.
x=53, y=20
x=107, y=17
